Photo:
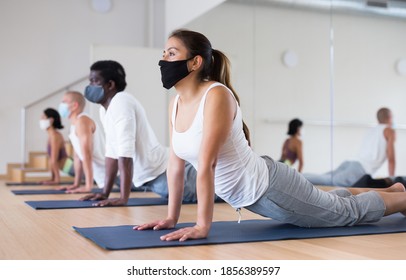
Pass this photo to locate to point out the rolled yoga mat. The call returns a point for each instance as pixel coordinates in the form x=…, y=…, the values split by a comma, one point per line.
x=124, y=237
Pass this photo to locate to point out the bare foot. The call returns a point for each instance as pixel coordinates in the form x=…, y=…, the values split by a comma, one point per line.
x=397, y=187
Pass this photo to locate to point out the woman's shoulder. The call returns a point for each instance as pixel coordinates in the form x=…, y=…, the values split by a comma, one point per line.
x=56, y=136
x=219, y=95
x=217, y=89
x=214, y=85
x=296, y=141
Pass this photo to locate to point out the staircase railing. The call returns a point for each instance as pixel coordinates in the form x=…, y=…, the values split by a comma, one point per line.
x=24, y=110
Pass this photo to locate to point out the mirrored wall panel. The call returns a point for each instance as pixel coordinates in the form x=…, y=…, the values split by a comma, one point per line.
x=369, y=51
x=281, y=65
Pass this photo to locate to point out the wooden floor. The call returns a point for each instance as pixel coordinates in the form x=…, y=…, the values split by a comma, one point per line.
x=28, y=234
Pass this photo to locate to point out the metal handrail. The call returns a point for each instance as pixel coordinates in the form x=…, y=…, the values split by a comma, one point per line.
x=333, y=123
x=24, y=109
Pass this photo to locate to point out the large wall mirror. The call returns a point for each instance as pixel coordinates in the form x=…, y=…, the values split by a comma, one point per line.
x=330, y=63
x=369, y=47
x=280, y=55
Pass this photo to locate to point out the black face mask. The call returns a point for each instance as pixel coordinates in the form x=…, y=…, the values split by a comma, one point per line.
x=173, y=71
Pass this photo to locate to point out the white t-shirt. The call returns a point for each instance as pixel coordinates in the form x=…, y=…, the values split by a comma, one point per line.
x=98, y=162
x=373, y=149
x=129, y=134
x=241, y=176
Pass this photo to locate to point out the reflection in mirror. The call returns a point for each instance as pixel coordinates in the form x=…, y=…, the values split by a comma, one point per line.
x=369, y=42
x=280, y=56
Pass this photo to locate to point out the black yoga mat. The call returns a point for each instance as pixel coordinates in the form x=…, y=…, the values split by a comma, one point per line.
x=124, y=237
x=66, y=204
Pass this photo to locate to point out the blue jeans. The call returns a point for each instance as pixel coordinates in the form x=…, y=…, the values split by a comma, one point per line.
x=160, y=185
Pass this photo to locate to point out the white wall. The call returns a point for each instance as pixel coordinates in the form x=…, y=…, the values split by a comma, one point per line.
x=45, y=45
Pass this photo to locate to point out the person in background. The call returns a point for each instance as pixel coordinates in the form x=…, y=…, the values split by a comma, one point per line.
x=377, y=147
x=88, y=144
x=207, y=130
x=58, y=158
x=292, y=147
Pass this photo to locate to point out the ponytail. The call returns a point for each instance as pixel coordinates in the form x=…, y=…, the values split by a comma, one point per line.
x=220, y=72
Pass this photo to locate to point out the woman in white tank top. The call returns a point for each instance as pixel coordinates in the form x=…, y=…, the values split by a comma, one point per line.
x=207, y=130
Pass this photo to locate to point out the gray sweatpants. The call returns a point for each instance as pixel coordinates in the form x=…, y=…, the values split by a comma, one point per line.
x=345, y=175
x=291, y=198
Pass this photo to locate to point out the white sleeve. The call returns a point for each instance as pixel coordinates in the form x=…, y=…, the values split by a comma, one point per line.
x=124, y=124
x=109, y=151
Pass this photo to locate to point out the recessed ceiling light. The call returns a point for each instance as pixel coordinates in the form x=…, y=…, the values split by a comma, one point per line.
x=101, y=6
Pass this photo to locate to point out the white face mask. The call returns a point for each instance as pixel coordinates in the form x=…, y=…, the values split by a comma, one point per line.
x=44, y=124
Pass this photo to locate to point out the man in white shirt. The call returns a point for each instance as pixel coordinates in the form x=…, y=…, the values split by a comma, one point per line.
x=132, y=148
x=88, y=143
x=377, y=147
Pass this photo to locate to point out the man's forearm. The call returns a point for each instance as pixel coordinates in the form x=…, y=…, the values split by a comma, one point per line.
x=125, y=166
x=111, y=173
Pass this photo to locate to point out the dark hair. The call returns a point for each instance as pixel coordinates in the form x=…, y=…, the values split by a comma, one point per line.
x=216, y=65
x=383, y=115
x=294, y=125
x=111, y=71
x=52, y=113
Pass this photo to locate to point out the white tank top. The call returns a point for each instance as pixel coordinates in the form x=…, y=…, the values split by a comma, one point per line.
x=98, y=161
x=373, y=149
x=241, y=176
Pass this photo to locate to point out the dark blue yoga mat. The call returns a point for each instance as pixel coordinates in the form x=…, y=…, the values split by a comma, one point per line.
x=48, y=191
x=67, y=204
x=53, y=191
x=34, y=183
x=124, y=237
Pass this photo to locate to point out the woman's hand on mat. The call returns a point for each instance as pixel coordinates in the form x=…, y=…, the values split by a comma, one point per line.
x=157, y=225
x=79, y=190
x=111, y=202
x=184, y=234
x=67, y=188
x=72, y=187
x=94, y=196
